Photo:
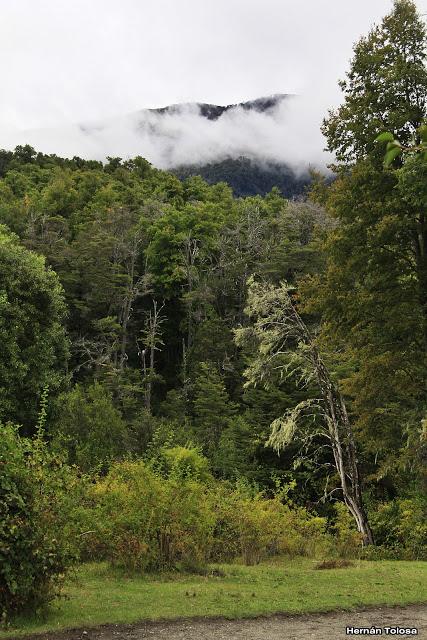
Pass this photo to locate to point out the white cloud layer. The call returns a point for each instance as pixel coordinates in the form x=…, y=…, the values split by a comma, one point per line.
x=289, y=133
x=71, y=61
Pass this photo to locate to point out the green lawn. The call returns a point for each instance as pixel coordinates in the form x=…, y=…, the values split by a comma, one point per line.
x=100, y=595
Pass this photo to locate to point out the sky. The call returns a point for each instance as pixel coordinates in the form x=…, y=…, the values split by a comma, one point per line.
x=65, y=62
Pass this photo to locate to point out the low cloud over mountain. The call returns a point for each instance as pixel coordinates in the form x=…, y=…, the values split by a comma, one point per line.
x=275, y=129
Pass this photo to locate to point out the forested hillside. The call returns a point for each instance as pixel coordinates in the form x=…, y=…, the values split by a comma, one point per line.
x=250, y=177
x=199, y=353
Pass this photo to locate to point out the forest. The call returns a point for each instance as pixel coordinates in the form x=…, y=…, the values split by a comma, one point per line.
x=188, y=376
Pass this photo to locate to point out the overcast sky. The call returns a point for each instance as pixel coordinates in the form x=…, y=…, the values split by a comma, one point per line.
x=68, y=61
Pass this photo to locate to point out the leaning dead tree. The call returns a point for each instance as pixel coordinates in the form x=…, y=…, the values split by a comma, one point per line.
x=285, y=346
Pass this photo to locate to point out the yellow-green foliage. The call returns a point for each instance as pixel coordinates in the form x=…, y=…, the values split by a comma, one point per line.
x=346, y=540
x=400, y=527
x=141, y=519
x=254, y=527
x=185, y=462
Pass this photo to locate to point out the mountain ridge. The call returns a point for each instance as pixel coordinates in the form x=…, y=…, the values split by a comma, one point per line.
x=211, y=111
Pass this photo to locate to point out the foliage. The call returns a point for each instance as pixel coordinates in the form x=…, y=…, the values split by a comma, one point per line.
x=283, y=344
x=372, y=298
x=255, y=527
x=172, y=514
x=122, y=289
x=246, y=177
x=212, y=408
x=400, y=527
x=394, y=148
x=145, y=522
x=89, y=427
x=386, y=87
x=345, y=541
x=34, y=343
x=185, y=462
x=38, y=495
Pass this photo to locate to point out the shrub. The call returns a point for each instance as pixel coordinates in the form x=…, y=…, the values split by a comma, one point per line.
x=400, y=528
x=305, y=534
x=185, y=462
x=89, y=428
x=254, y=527
x=172, y=514
x=143, y=521
x=346, y=541
x=37, y=496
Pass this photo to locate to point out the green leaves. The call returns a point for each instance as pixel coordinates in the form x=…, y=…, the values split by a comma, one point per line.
x=34, y=343
x=386, y=136
x=394, y=147
x=386, y=83
x=393, y=150
x=37, y=535
x=422, y=132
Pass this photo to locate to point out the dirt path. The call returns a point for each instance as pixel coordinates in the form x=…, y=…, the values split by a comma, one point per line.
x=330, y=626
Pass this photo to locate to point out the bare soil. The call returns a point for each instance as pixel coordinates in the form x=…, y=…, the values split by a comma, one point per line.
x=328, y=626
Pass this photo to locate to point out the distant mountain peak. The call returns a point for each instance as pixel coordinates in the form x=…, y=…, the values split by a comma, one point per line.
x=264, y=104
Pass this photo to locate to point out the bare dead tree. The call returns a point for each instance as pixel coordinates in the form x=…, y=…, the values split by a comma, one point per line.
x=190, y=252
x=150, y=343
x=285, y=345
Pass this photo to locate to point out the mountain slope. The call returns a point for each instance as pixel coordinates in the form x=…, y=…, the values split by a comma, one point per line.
x=248, y=177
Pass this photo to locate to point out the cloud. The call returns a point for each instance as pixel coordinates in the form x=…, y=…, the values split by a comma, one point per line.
x=287, y=133
x=74, y=61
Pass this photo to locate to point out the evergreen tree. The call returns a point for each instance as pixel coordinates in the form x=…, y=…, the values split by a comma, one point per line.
x=212, y=407
x=373, y=296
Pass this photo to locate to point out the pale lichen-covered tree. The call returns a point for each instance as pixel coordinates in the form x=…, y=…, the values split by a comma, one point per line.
x=284, y=344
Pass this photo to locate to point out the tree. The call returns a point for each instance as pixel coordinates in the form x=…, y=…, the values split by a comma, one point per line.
x=372, y=297
x=38, y=532
x=152, y=342
x=34, y=348
x=212, y=407
x=182, y=244
x=385, y=89
x=90, y=428
x=284, y=343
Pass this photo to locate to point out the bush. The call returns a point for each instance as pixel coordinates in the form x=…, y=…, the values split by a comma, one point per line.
x=400, y=529
x=89, y=428
x=37, y=496
x=246, y=526
x=185, y=462
x=346, y=541
x=254, y=527
x=143, y=521
x=171, y=514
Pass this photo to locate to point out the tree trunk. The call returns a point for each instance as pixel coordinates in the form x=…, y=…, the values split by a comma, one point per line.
x=341, y=434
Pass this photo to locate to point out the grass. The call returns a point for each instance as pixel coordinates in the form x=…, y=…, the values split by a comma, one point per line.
x=99, y=595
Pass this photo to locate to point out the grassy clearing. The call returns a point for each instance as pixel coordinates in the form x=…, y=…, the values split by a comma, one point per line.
x=99, y=595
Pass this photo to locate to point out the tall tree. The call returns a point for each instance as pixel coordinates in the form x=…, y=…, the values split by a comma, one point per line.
x=212, y=407
x=373, y=295
x=386, y=86
x=34, y=345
